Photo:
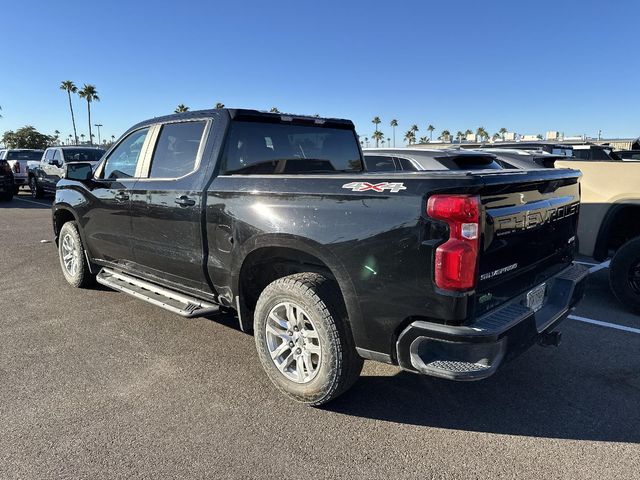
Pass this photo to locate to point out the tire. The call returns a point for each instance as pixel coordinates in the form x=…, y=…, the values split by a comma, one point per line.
x=75, y=269
x=326, y=341
x=36, y=190
x=624, y=274
x=7, y=196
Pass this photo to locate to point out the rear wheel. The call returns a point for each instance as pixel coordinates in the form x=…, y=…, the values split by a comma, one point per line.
x=7, y=195
x=16, y=189
x=36, y=190
x=73, y=261
x=624, y=274
x=303, y=339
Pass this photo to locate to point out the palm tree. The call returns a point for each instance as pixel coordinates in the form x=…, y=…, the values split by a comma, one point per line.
x=274, y=110
x=377, y=136
x=459, y=136
x=181, y=108
x=431, y=128
x=444, y=136
x=423, y=140
x=414, y=128
x=394, y=124
x=482, y=133
x=410, y=136
x=366, y=141
x=389, y=141
x=70, y=139
x=502, y=132
x=56, y=136
x=82, y=137
x=90, y=94
x=70, y=88
x=219, y=105
x=113, y=138
x=376, y=121
x=468, y=132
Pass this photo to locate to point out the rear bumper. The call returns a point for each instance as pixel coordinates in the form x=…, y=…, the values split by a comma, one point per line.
x=474, y=352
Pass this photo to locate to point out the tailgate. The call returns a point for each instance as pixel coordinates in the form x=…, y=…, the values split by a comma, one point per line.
x=529, y=234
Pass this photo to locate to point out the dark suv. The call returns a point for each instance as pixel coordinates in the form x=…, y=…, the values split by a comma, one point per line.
x=7, y=185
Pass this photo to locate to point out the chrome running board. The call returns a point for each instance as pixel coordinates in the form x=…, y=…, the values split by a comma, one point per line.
x=175, y=302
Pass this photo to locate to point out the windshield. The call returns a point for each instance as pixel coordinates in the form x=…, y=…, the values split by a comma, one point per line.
x=24, y=154
x=278, y=148
x=82, y=154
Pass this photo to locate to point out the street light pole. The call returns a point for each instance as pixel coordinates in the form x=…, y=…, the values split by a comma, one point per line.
x=98, y=125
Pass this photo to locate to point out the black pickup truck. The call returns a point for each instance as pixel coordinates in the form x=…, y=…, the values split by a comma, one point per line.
x=446, y=273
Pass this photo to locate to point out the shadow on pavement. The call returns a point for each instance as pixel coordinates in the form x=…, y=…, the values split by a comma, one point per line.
x=26, y=202
x=525, y=400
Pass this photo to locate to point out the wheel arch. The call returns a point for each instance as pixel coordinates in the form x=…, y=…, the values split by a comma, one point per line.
x=616, y=218
x=307, y=255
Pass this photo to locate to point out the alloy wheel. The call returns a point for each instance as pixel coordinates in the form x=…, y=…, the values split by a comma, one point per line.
x=293, y=342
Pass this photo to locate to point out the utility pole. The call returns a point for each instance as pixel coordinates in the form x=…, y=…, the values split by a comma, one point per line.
x=98, y=125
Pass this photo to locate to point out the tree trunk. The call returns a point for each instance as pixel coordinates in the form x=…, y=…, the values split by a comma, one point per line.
x=89, y=115
x=73, y=118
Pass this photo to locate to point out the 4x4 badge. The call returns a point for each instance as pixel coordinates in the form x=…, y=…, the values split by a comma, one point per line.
x=376, y=187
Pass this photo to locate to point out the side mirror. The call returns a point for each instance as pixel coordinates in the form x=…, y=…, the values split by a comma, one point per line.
x=79, y=171
x=54, y=162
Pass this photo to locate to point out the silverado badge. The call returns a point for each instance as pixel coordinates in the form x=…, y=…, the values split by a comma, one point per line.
x=376, y=187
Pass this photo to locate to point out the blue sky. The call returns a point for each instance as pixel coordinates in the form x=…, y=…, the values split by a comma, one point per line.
x=570, y=66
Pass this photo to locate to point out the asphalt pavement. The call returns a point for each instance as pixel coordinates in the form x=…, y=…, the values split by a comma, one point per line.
x=97, y=384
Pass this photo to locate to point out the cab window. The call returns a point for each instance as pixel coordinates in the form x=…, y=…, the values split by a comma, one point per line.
x=123, y=160
x=177, y=149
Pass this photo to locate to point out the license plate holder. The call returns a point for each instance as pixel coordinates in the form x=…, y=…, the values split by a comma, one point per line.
x=535, y=297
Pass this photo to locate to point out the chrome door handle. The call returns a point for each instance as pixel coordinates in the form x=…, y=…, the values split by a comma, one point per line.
x=185, y=201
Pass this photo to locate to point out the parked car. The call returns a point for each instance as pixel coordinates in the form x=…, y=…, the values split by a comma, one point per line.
x=552, y=148
x=588, y=152
x=447, y=273
x=44, y=174
x=609, y=226
x=524, y=159
x=18, y=159
x=419, y=159
x=628, y=155
x=7, y=186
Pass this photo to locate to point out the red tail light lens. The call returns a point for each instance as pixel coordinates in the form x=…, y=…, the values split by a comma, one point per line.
x=457, y=259
x=16, y=167
x=5, y=169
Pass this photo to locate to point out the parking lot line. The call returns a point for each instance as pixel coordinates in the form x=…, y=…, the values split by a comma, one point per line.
x=604, y=324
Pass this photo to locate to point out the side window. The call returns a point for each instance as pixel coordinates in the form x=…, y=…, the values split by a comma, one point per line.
x=379, y=163
x=406, y=164
x=581, y=154
x=598, y=154
x=176, y=150
x=48, y=156
x=123, y=160
x=56, y=156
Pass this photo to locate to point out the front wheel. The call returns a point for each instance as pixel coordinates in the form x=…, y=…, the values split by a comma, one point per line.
x=75, y=267
x=36, y=190
x=303, y=339
x=624, y=274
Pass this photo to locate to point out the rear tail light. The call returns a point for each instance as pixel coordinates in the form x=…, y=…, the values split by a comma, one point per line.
x=457, y=259
x=16, y=167
x=5, y=169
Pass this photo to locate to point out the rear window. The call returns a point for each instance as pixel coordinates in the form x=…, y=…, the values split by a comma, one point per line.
x=82, y=154
x=24, y=154
x=277, y=148
x=470, y=162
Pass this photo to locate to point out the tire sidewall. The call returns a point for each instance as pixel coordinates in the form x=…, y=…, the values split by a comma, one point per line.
x=314, y=390
x=78, y=279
